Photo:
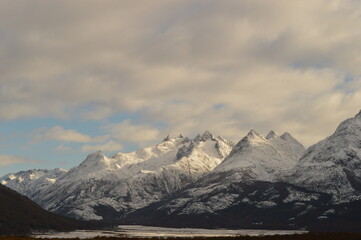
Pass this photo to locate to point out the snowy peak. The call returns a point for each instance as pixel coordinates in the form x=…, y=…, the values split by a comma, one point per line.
x=95, y=156
x=95, y=159
x=252, y=134
x=294, y=143
x=153, y=159
x=271, y=134
x=287, y=137
x=216, y=147
x=253, y=137
x=250, y=139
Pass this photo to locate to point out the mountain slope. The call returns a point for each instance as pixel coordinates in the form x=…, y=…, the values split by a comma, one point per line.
x=108, y=187
x=258, y=158
x=19, y=215
x=252, y=205
x=334, y=164
x=31, y=182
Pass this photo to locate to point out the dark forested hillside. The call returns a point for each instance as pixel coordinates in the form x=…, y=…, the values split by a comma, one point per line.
x=19, y=215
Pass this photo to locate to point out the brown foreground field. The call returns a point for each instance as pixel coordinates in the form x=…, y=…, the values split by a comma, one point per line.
x=308, y=236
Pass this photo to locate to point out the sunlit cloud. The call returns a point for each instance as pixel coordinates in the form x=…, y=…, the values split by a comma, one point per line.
x=283, y=65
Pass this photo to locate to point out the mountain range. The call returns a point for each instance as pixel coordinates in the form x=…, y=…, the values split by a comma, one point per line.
x=208, y=181
x=108, y=187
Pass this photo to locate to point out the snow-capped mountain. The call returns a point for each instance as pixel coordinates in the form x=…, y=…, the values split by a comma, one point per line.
x=254, y=158
x=334, y=164
x=320, y=192
x=108, y=187
x=259, y=158
x=266, y=182
x=32, y=182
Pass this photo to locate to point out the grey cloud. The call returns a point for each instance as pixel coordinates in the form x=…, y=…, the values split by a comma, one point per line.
x=270, y=63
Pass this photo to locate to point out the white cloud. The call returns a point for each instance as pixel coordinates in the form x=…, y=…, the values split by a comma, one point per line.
x=58, y=133
x=109, y=146
x=270, y=64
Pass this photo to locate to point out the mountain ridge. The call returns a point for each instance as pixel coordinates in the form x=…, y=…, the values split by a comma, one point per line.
x=102, y=186
x=208, y=179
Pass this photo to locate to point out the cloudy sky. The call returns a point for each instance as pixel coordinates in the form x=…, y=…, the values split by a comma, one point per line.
x=78, y=76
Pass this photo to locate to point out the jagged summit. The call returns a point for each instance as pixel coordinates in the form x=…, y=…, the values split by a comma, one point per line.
x=271, y=134
x=252, y=134
x=289, y=138
x=204, y=137
x=207, y=135
x=167, y=138
x=252, y=137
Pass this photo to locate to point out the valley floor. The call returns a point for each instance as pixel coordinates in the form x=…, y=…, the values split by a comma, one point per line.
x=307, y=236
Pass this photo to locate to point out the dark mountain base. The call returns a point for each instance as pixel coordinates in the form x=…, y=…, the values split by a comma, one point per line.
x=19, y=216
x=313, y=214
